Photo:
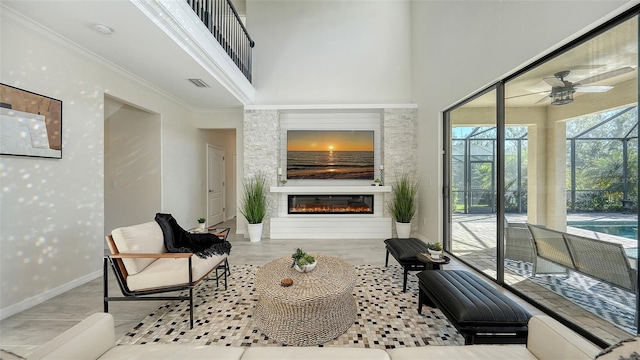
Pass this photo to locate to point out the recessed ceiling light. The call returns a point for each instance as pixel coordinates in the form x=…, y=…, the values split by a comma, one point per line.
x=102, y=29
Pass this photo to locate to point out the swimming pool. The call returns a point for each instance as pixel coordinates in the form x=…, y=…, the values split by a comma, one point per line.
x=628, y=229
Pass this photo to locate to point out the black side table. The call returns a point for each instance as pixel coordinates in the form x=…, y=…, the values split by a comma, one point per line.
x=431, y=263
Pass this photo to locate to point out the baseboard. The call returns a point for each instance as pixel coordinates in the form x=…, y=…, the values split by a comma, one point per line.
x=49, y=294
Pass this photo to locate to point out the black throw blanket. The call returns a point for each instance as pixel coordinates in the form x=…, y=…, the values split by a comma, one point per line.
x=178, y=240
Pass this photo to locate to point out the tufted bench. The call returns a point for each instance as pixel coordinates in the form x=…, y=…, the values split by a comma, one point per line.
x=405, y=252
x=480, y=313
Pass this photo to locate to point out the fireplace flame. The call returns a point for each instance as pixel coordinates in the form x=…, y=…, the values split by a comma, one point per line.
x=330, y=209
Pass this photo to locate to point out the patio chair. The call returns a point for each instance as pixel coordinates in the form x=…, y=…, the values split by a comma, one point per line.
x=603, y=260
x=519, y=246
x=143, y=267
x=518, y=242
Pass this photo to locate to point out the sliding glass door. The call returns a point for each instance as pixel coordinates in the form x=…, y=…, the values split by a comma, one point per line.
x=548, y=158
x=473, y=178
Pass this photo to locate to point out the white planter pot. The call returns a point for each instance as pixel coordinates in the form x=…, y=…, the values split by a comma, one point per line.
x=403, y=230
x=255, y=232
x=305, y=268
x=436, y=254
x=202, y=225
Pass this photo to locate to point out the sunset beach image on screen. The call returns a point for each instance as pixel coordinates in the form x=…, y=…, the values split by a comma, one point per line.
x=334, y=154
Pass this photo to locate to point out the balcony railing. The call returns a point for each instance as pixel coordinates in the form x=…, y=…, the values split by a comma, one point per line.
x=222, y=20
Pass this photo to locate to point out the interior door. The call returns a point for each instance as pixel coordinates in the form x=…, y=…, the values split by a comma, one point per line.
x=215, y=185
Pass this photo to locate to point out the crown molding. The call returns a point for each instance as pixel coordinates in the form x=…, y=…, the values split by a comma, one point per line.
x=36, y=29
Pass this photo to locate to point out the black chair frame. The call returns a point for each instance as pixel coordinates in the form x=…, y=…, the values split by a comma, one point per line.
x=115, y=262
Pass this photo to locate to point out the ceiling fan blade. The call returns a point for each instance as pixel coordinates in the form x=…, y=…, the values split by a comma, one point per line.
x=605, y=75
x=533, y=93
x=553, y=81
x=593, y=88
x=546, y=97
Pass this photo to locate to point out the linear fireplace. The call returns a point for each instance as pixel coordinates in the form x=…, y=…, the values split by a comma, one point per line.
x=330, y=204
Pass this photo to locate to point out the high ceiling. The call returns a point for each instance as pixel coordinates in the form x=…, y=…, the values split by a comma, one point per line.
x=612, y=50
x=137, y=45
x=140, y=47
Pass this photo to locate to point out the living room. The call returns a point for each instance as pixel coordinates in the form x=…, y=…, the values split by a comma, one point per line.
x=307, y=54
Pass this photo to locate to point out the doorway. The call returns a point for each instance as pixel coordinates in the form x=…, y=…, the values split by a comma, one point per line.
x=215, y=184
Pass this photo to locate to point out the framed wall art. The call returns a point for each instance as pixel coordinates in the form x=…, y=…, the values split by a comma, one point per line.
x=30, y=124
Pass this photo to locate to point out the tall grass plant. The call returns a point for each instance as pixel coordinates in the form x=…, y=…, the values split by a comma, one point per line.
x=404, y=190
x=254, y=199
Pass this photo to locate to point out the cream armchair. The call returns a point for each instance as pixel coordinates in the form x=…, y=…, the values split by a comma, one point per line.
x=143, y=267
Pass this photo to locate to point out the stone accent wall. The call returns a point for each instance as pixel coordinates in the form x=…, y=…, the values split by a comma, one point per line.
x=399, y=147
x=261, y=148
x=399, y=144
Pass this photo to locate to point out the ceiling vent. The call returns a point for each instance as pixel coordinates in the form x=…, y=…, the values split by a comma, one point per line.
x=199, y=83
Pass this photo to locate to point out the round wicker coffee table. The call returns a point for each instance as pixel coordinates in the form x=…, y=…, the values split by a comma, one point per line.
x=318, y=307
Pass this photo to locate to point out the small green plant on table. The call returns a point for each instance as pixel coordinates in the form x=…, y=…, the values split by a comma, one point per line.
x=301, y=258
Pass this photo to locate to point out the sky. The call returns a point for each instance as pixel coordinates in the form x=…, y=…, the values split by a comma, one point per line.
x=315, y=140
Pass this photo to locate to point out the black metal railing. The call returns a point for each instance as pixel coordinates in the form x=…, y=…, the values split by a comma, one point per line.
x=222, y=20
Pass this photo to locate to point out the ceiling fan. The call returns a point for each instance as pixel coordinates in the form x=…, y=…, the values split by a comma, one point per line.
x=562, y=90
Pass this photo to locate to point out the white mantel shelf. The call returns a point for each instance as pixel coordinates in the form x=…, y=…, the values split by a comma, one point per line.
x=312, y=190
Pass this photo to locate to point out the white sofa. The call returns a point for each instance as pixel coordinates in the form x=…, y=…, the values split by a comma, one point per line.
x=94, y=338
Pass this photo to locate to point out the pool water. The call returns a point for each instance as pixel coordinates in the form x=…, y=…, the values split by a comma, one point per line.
x=628, y=229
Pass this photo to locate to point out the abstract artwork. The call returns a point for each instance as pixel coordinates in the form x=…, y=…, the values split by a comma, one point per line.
x=30, y=124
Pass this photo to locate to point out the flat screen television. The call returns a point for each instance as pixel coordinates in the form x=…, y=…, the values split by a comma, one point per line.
x=330, y=154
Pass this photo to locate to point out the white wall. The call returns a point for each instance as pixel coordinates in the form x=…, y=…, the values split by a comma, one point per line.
x=52, y=211
x=462, y=46
x=132, y=172
x=336, y=52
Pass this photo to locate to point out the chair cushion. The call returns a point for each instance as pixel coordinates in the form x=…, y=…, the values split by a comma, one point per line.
x=168, y=272
x=142, y=238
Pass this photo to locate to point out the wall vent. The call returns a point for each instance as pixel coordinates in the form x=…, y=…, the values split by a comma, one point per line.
x=199, y=83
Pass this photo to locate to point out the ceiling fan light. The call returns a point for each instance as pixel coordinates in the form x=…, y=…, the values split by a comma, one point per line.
x=562, y=97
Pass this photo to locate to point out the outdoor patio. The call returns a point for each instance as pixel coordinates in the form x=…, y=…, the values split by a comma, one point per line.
x=474, y=241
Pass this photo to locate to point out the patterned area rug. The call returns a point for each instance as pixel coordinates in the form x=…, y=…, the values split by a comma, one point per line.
x=608, y=302
x=387, y=317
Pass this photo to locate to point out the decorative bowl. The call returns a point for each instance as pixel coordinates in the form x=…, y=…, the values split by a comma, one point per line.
x=305, y=268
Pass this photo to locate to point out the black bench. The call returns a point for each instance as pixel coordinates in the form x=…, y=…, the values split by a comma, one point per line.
x=480, y=313
x=405, y=252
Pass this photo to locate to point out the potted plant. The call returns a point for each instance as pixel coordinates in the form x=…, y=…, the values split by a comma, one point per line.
x=302, y=261
x=253, y=205
x=202, y=222
x=435, y=250
x=403, y=205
